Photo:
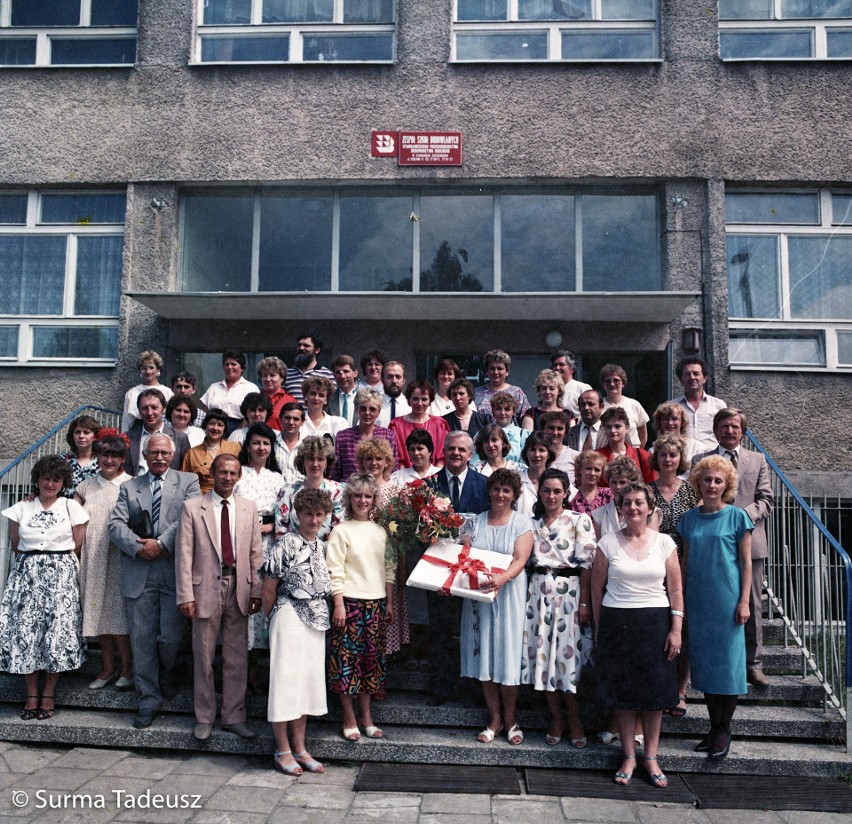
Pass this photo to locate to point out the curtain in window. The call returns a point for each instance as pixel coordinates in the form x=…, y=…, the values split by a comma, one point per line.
x=298, y=11
x=483, y=10
x=368, y=11
x=98, y=275
x=32, y=271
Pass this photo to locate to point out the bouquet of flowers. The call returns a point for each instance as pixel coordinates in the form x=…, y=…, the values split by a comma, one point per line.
x=417, y=514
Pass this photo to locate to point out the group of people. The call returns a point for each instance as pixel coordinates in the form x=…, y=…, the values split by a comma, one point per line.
x=250, y=512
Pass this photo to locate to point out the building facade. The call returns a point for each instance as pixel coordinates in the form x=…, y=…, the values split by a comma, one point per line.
x=639, y=179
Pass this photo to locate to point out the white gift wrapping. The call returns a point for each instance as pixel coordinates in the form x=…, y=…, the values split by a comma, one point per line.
x=458, y=570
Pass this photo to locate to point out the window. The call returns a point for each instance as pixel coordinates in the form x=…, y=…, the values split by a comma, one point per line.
x=68, y=32
x=556, y=30
x=421, y=240
x=789, y=259
x=785, y=29
x=295, y=31
x=60, y=264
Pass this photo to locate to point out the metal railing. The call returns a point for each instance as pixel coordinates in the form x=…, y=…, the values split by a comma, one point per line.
x=15, y=480
x=809, y=582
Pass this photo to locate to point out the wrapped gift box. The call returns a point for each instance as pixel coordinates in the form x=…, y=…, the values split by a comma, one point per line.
x=458, y=570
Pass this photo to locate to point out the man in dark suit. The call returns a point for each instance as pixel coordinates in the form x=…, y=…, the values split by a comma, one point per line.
x=754, y=495
x=589, y=433
x=152, y=407
x=143, y=525
x=468, y=492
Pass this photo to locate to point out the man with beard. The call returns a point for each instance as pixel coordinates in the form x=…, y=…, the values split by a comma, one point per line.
x=394, y=403
x=305, y=365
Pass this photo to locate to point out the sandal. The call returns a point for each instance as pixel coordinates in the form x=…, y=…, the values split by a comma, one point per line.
x=515, y=736
x=309, y=763
x=579, y=743
x=657, y=779
x=293, y=770
x=46, y=712
x=622, y=777
x=678, y=711
x=28, y=713
x=351, y=733
x=488, y=735
x=552, y=740
x=607, y=737
x=372, y=731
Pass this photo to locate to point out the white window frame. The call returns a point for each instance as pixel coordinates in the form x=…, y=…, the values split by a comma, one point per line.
x=829, y=329
x=554, y=30
x=297, y=32
x=46, y=34
x=818, y=29
x=26, y=324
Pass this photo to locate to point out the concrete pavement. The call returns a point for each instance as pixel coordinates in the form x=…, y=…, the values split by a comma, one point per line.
x=56, y=785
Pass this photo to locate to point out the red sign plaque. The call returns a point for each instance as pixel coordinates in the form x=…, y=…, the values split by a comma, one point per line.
x=430, y=148
x=384, y=144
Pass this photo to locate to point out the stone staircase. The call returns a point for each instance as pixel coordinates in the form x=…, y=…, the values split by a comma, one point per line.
x=782, y=730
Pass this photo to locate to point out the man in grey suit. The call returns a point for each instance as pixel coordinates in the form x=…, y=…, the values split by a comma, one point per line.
x=143, y=526
x=754, y=495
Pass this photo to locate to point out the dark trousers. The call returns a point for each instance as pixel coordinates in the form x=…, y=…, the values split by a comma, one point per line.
x=754, y=626
x=444, y=621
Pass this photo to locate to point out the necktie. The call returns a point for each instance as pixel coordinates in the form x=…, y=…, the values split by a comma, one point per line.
x=732, y=457
x=589, y=442
x=344, y=412
x=156, y=495
x=455, y=493
x=227, y=546
x=393, y=408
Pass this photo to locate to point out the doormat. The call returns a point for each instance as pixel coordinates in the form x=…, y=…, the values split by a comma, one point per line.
x=436, y=778
x=599, y=784
x=770, y=792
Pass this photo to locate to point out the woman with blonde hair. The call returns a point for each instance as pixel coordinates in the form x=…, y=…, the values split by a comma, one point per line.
x=150, y=366
x=670, y=419
x=588, y=469
x=549, y=385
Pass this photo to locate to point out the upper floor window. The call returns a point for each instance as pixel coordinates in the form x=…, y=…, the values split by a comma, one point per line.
x=426, y=240
x=67, y=32
x=295, y=31
x=60, y=265
x=789, y=258
x=785, y=29
x=555, y=30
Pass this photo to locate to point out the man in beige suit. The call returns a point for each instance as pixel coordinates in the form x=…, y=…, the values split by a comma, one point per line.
x=218, y=555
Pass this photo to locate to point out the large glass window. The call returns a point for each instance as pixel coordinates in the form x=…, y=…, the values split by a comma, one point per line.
x=68, y=32
x=295, y=31
x=60, y=265
x=789, y=258
x=556, y=30
x=427, y=240
x=785, y=29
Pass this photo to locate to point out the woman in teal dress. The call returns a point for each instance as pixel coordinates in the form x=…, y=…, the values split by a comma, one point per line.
x=717, y=559
x=492, y=634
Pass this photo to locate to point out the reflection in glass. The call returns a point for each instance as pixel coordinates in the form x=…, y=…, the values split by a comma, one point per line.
x=8, y=341
x=841, y=210
x=753, y=276
x=777, y=348
x=628, y=10
x=32, y=270
x=114, y=12
x=83, y=208
x=816, y=9
x=375, y=243
x=820, y=277
x=337, y=47
x=609, y=45
x=745, y=9
x=98, y=275
x=217, y=243
x=100, y=51
x=528, y=45
x=298, y=11
x=295, y=243
x=13, y=208
x=844, y=348
x=456, y=243
x=788, y=43
x=17, y=51
x=771, y=207
x=839, y=42
x=41, y=13
x=620, y=243
x=225, y=12
x=537, y=243
x=554, y=9
x=368, y=11
x=274, y=48
x=72, y=342
x=483, y=10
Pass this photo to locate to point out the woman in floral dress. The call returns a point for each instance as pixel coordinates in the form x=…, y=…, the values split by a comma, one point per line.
x=557, y=635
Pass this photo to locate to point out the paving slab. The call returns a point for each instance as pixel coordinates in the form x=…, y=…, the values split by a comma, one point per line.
x=261, y=777
x=460, y=804
x=309, y=795
x=90, y=758
x=145, y=766
x=213, y=764
x=453, y=818
x=663, y=813
x=597, y=809
x=795, y=817
x=511, y=809
x=28, y=759
x=752, y=817
x=228, y=817
x=341, y=774
x=305, y=815
x=51, y=778
x=385, y=800
x=237, y=798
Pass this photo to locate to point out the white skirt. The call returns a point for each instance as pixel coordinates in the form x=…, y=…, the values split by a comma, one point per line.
x=296, y=667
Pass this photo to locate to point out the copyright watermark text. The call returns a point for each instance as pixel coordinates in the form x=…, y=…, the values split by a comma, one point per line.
x=147, y=800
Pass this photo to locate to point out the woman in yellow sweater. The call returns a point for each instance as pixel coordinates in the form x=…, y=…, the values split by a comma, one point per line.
x=362, y=589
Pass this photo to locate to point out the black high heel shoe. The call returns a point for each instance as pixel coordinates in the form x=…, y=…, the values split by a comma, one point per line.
x=721, y=753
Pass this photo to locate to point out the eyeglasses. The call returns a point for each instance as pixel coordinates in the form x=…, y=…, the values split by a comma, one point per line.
x=158, y=453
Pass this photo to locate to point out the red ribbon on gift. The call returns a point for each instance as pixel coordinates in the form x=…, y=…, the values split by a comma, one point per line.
x=464, y=565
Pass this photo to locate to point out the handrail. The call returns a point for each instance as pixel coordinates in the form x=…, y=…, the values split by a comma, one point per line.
x=15, y=478
x=809, y=583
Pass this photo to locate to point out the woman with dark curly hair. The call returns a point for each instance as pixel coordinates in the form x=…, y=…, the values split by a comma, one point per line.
x=81, y=457
x=200, y=458
x=40, y=619
x=419, y=395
